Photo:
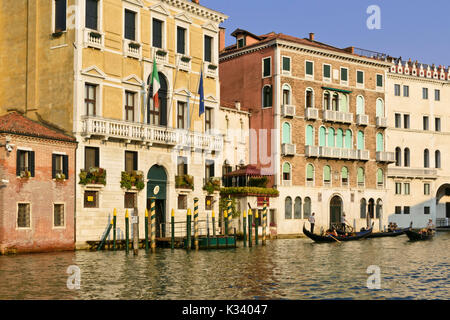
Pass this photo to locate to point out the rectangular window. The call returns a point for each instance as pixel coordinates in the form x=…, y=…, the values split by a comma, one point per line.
x=267, y=64
x=157, y=33
x=406, y=121
x=406, y=91
x=182, y=201
x=91, y=199
x=209, y=202
x=209, y=169
x=182, y=167
x=181, y=40
x=309, y=68
x=25, y=163
x=208, y=118
x=406, y=187
x=426, y=210
x=90, y=99
x=60, y=15
x=425, y=123
x=398, y=210
x=129, y=105
x=131, y=161
x=426, y=189
x=437, y=95
x=91, y=158
x=379, y=80
x=344, y=74
x=327, y=71
x=130, y=25
x=23, y=215
x=398, y=188
x=129, y=200
x=91, y=14
x=208, y=48
x=425, y=93
x=181, y=115
x=360, y=77
x=406, y=210
x=58, y=215
x=437, y=124
x=398, y=120
x=60, y=166
x=241, y=43
x=287, y=64
x=397, y=90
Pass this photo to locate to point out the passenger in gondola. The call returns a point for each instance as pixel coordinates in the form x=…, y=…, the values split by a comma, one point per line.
x=430, y=226
x=332, y=232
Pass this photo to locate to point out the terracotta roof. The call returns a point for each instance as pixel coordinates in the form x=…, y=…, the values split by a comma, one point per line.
x=247, y=170
x=16, y=123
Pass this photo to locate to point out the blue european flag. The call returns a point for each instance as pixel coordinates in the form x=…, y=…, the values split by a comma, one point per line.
x=201, y=109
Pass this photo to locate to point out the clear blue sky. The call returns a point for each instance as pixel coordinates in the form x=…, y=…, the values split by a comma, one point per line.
x=416, y=29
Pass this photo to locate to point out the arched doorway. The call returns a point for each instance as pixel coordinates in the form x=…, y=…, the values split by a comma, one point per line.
x=335, y=210
x=157, y=187
x=443, y=202
x=157, y=116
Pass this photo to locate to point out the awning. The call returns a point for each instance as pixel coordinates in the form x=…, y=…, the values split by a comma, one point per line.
x=337, y=90
x=249, y=170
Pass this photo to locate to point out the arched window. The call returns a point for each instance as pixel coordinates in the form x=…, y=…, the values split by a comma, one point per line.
x=380, y=178
x=437, y=159
x=286, y=132
x=286, y=94
x=426, y=158
x=335, y=102
x=362, y=208
x=330, y=137
x=157, y=116
x=309, y=98
x=344, y=176
x=298, y=208
x=380, y=108
x=326, y=100
x=359, y=105
x=307, y=208
x=288, y=208
x=407, y=157
x=310, y=172
x=344, y=103
x=360, y=142
x=348, y=139
x=267, y=96
x=380, y=142
x=286, y=171
x=309, y=135
x=398, y=157
x=322, y=136
x=340, y=138
x=326, y=174
x=360, y=177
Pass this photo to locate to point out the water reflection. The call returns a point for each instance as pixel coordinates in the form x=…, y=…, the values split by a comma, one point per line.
x=284, y=269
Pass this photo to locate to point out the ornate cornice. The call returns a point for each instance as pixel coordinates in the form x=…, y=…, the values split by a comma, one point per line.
x=197, y=9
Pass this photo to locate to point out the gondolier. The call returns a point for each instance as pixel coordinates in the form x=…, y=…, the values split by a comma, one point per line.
x=312, y=221
x=343, y=222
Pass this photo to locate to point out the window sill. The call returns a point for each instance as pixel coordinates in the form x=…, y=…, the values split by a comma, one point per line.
x=93, y=186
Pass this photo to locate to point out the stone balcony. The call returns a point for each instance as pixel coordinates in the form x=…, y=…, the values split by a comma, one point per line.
x=94, y=39
x=311, y=113
x=288, y=111
x=362, y=119
x=363, y=155
x=388, y=157
x=183, y=62
x=312, y=151
x=161, y=56
x=288, y=149
x=152, y=135
x=211, y=70
x=132, y=49
x=381, y=122
x=413, y=173
x=337, y=116
x=338, y=153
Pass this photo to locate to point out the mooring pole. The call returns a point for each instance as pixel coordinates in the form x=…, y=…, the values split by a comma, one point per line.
x=172, y=223
x=127, y=232
x=256, y=227
x=153, y=224
x=105, y=236
x=135, y=221
x=196, y=223
x=207, y=231
x=250, y=227
x=225, y=219
x=230, y=214
x=264, y=223
x=244, y=227
x=114, y=229
x=146, y=230
x=214, y=223
x=188, y=229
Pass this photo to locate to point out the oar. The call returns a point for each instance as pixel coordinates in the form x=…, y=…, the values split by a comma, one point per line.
x=334, y=238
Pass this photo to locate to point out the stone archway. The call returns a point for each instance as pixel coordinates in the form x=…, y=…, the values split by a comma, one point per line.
x=443, y=202
x=336, y=209
x=157, y=187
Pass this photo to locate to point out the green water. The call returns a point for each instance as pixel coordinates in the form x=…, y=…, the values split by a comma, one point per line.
x=284, y=269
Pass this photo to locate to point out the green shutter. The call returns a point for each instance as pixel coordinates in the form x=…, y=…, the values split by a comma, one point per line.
x=339, y=138
x=348, y=139
x=286, y=168
x=310, y=172
x=343, y=105
x=267, y=67
x=309, y=68
x=327, y=173
x=309, y=135
x=360, y=142
x=286, y=64
x=344, y=74
x=322, y=137
x=380, y=142
x=380, y=176
x=379, y=80
x=331, y=137
x=360, y=77
x=344, y=173
x=360, y=175
x=326, y=71
x=380, y=108
x=359, y=105
x=286, y=133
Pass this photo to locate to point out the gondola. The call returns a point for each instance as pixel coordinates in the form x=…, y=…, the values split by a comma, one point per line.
x=394, y=233
x=329, y=238
x=415, y=235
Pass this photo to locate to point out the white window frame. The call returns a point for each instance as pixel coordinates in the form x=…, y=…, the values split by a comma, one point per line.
x=360, y=85
x=98, y=95
x=344, y=82
x=99, y=17
x=135, y=9
x=184, y=25
x=376, y=81
x=214, y=46
x=325, y=79
x=137, y=103
x=262, y=68
x=161, y=17
x=53, y=216
x=54, y=15
x=17, y=216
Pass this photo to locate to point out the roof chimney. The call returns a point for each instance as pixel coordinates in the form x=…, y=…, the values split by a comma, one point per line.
x=221, y=39
x=196, y=1
x=237, y=104
x=311, y=36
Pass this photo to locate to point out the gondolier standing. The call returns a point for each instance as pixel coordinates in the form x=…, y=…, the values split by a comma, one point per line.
x=343, y=222
x=312, y=221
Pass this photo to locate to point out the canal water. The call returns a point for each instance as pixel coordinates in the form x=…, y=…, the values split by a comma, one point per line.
x=284, y=269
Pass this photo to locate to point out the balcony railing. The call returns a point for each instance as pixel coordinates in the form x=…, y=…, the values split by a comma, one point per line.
x=350, y=154
x=383, y=156
x=131, y=131
x=184, y=62
x=94, y=39
x=337, y=116
x=363, y=155
x=362, y=119
x=288, y=110
x=132, y=49
x=312, y=113
x=161, y=55
x=381, y=122
x=211, y=70
x=312, y=151
x=288, y=149
x=418, y=173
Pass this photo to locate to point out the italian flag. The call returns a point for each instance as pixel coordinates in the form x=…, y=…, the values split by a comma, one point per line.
x=155, y=84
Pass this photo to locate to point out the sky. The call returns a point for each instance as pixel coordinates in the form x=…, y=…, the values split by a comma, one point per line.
x=415, y=29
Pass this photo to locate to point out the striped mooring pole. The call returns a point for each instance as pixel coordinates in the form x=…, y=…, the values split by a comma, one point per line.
x=230, y=214
x=250, y=227
x=264, y=223
x=146, y=230
x=114, y=229
x=105, y=236
x=172, y=227
x=153, y=225
x=225, y=219
x=196, y=223
x=244, y=227
x=214, y=223
x=127, y=231
x=188, y=229
x=256, y=227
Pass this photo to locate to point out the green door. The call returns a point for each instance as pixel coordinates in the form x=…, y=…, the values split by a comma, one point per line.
x=157, y=187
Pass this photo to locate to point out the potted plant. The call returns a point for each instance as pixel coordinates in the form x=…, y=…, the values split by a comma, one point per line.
x=161, y=52
x=211, y=185
x=133, y=179
x=184, y=182
x=95, y=34
x=93, y=176
x=60, y=177
x=57, y=34
x=212, y=66
x=185, y=59
x=25, y=174
x=134, y=45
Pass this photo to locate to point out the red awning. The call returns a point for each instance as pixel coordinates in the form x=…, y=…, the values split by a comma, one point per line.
x=248, y=170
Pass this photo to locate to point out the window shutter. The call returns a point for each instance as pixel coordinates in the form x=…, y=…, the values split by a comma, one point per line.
x=18, y=162
x=135, y=161
x=60, y=15
x=180, y=40
x=309, y=135
x=157, y=33
x=344, y=173
x=310, y=172
x=97, y=158
x=53, y=166
x=130, y=32
x=66, y=166
x=327, y=173
x=380, y=176
x=31, y=163
x=91, y=14
x=339, y=138
x=331, y=137
x=322, y=138
x=208, y=42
